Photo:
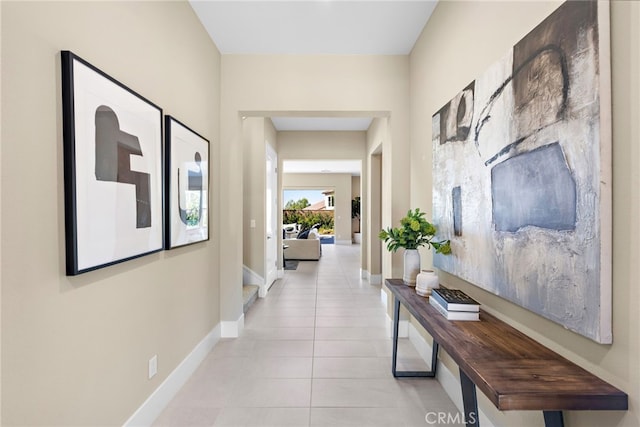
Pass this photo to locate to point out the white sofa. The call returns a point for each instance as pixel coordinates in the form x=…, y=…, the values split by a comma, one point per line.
x=303, y=249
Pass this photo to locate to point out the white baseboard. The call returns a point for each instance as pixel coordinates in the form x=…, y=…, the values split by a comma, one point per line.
x=263, y=291
x=384, y=298
x=344, y=242
x=447, y=379
x=403, y=325
x=374, y=279
x=146, y=414
x=403, y=328
x=232, y=329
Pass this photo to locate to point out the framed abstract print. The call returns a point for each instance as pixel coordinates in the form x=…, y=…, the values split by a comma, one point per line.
x=112, y=169
x=522, y=173
x=187, y=184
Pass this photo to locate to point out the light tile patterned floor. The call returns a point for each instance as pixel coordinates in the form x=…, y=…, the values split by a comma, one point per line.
x=314, y=352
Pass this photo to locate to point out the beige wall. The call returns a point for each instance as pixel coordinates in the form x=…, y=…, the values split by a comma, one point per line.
x=253, y=192
x=257, y=132
x=349, y=145
x=340, y=183
x=75, y=349
x=355, y=186
x=460, y=41
x=271, y=139
x=375, y=187
x=323, y=145
x=269, y=85
x=1, y=239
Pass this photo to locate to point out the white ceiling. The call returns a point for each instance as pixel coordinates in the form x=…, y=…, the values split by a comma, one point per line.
x=322, y=166
x=322, y=123
x=315, y=27
x=312, y=27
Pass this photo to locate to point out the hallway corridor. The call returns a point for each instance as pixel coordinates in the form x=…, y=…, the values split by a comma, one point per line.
x=314, y=352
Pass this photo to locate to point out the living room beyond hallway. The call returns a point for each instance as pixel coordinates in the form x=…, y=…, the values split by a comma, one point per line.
x=315, y=352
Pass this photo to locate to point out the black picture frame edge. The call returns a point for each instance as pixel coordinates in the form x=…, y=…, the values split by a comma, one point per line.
x=69, y=155
x=167, y=181
x=72, y=56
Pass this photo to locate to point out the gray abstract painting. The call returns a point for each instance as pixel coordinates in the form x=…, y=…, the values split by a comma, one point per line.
x=522, y=173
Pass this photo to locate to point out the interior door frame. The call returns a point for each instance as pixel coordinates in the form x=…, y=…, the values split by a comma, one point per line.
x=271, y=230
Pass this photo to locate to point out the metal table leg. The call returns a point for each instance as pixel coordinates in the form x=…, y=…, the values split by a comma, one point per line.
x=394, y=356
x=469, y=401
x=553, y=419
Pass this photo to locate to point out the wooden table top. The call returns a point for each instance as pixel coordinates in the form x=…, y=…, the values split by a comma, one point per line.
x=512, y=370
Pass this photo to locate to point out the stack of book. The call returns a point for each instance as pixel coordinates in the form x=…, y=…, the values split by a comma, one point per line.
x=454, y=304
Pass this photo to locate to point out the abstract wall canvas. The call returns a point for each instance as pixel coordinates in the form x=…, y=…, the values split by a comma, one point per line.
x=522, y=173
x=112, y=169
x=187, y=183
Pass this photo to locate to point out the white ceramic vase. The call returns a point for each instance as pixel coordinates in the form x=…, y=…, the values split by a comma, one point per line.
x=411, y=266
x=426, y=281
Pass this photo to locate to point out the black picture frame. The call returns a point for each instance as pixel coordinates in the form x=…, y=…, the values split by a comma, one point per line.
x=186, y=185
x=112, y=140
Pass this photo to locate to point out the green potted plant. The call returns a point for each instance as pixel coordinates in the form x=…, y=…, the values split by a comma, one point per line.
x=355, y=215
x=414, y=232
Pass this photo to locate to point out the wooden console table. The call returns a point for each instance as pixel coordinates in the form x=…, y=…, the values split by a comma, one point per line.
x=512, y=370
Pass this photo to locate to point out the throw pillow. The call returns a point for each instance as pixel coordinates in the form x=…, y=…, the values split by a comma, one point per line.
x=303, y=234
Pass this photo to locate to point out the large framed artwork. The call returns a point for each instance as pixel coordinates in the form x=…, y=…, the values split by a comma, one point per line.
x=187, y=178
x=112, y=169
x=522, y=173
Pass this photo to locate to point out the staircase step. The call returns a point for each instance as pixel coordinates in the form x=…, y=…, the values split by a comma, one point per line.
x=249, y=296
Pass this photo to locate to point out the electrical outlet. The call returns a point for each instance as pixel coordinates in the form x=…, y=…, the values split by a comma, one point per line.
x=252, y=223
x=153, y=366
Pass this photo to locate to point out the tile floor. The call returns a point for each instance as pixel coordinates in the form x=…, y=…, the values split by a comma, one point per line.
x=314, y=352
